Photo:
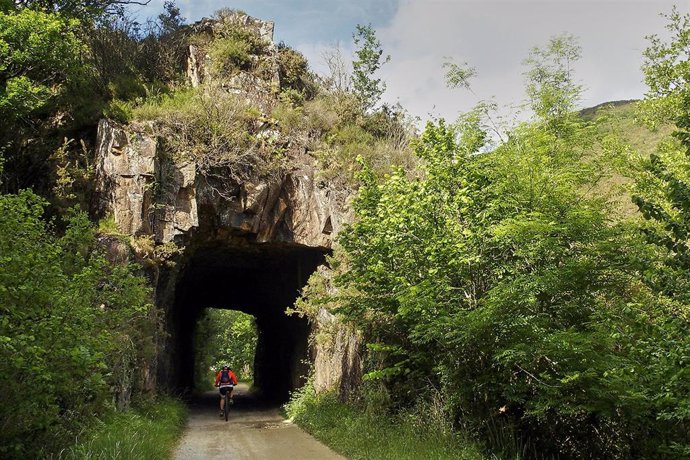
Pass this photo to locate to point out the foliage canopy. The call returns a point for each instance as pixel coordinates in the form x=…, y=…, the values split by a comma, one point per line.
x=497, y=277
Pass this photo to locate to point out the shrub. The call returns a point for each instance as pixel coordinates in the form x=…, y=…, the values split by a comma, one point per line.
x=126, y=87
x=234, y=46
x=229, y=55
x=39, y=54
x=66, y=314
x=323, y=114
x=338, y=132
x=294, y=71
x=213, y=128
x=119, y=110
x=291, y=97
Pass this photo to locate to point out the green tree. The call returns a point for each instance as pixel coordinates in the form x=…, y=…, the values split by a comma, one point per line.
x=71, y=323
x=171, y=19
x=663, y=190
x=79, y=8
x=662, y=193
x=39, y=54
x=458, y=75
x=224, y=337
x=369, y=61
x=499, y=279
x=551, y=88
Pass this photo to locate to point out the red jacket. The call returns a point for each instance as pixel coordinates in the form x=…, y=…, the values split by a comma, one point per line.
x=232, y=377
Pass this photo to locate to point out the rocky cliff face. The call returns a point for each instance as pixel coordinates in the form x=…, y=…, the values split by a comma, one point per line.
x=150, y=192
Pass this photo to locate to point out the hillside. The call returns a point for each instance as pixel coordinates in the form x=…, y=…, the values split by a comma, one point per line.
x=620, y=118
x=625, y=140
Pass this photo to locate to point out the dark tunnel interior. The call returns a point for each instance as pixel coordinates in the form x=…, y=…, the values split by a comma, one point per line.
x=261, y=280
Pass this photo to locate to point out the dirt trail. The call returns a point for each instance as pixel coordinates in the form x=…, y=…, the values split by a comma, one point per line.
x=254, y=431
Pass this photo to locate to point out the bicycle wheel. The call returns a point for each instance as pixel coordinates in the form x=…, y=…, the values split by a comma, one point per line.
x=227, y=405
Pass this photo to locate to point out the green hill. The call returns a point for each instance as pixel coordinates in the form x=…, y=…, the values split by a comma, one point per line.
x=621, y=118
x=625, y=141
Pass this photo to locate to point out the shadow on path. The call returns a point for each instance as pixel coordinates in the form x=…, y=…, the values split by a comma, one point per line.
x=246, y=402
x=255, y=430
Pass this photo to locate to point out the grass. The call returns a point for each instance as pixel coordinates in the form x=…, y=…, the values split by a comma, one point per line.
x=159, y=107
x=361, y=435
x=621, y=118
x=149, y=431
x=627, y=141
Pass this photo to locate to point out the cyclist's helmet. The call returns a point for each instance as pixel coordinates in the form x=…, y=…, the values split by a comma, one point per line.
x=225, y=367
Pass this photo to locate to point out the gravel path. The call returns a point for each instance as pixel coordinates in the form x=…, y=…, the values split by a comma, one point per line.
x=253, y=431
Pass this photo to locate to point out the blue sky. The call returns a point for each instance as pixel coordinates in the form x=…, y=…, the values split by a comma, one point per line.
x=494, y=36
x=303, y=21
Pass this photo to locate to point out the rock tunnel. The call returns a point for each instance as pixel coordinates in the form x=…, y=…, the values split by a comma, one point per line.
x=259, y=279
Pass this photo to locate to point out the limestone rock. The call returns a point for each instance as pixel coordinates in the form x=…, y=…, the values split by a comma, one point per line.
x=337, y=361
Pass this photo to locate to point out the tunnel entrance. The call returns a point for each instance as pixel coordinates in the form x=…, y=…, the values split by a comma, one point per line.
x=261, y=280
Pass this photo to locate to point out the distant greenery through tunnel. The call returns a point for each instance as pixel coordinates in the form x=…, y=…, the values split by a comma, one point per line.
x=224, y=337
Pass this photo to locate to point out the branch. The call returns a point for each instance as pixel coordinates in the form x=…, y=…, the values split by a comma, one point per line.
x=536, y=378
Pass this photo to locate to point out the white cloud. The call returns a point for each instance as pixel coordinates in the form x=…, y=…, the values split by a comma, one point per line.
x=496, y=36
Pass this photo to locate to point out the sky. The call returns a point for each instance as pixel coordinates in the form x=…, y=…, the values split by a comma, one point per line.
x=492, y=36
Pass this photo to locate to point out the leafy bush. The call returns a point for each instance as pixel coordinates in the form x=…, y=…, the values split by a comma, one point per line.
x=353, y=432
x=119, y=110
x=71, y=323
x=91, y=9
x=39, y=53
x=234, y=46
x=230, y=54
x=58, y=79
x=338, y=132
x=496, y=277
x=294, y=73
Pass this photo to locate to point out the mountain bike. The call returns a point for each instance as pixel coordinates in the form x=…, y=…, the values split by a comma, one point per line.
x=227, y=401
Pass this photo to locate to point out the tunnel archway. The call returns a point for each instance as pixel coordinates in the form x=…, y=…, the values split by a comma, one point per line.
x=259, y=279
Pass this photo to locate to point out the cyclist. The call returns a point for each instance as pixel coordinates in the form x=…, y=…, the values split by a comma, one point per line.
x=225, y=381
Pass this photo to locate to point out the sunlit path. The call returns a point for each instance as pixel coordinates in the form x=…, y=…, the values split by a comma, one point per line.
x=255, y=431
